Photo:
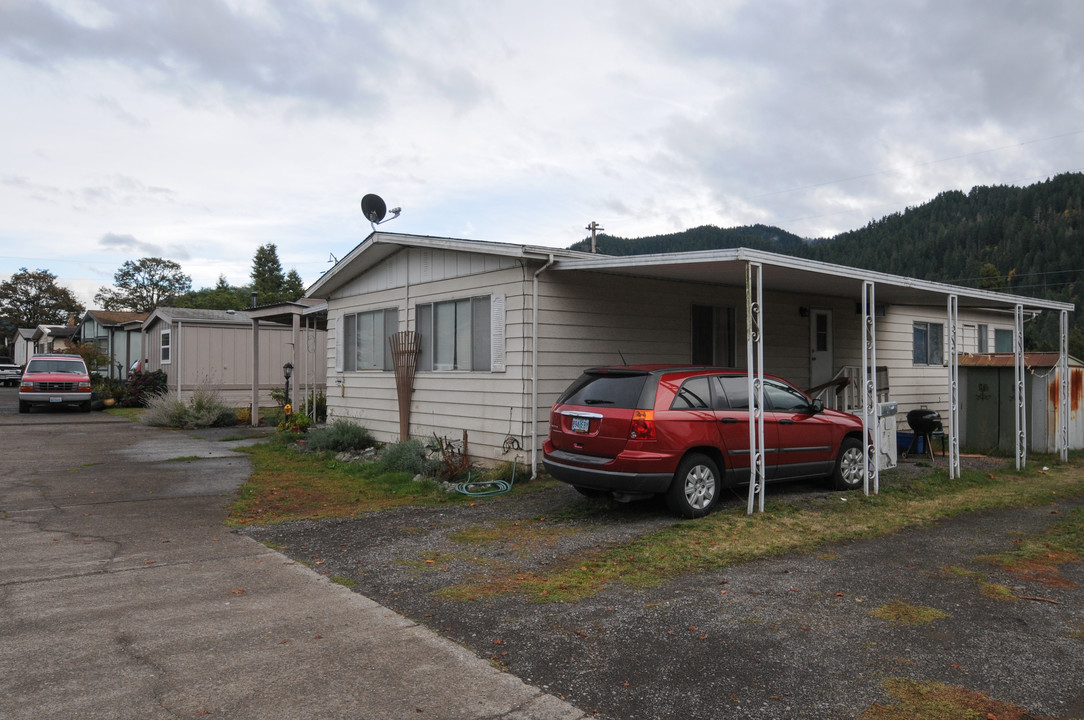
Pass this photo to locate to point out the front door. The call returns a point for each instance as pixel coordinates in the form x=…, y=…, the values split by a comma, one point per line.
x=821, y=358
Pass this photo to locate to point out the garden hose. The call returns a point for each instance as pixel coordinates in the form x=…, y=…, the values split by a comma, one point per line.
x=493, y=487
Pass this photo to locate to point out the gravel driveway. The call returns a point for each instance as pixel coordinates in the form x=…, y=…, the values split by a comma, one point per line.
x=791, y=637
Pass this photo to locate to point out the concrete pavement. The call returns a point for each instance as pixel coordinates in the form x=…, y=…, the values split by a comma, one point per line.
x=122, y=595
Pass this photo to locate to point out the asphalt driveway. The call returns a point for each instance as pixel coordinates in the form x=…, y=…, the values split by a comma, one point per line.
x=122, y=595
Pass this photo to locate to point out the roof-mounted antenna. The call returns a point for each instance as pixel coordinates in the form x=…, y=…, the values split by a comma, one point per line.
x=374, y=209
x=622, y=355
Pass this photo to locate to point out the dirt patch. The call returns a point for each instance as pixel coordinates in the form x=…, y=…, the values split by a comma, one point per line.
x=791, y=636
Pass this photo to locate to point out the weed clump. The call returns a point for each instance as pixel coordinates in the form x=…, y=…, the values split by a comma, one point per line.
x=204, y=409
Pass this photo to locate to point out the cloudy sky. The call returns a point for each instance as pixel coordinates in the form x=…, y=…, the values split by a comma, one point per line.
x=198, y=130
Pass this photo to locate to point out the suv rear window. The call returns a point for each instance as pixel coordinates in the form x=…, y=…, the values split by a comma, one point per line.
x=618, y=390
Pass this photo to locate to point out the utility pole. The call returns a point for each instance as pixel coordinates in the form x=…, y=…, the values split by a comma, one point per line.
x=594, y=227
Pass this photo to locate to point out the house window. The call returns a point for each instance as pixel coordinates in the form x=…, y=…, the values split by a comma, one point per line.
x=165, y=347
x=984, y=338
x=1003, y=341
x=927, y=349
x=712, y=330
x=365, y=339
x=455, y=335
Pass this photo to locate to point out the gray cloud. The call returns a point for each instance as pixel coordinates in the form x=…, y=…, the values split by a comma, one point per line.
x=337, y=56
x=136, y=248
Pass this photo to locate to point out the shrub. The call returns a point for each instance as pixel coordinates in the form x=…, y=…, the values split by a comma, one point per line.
x=205, y=409
x=296, y=423
x=341, y=435
x=165, y=410
x=142, y=386
x=410, y=456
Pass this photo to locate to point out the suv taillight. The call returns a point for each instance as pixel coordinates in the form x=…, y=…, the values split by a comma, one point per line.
x=643, y=425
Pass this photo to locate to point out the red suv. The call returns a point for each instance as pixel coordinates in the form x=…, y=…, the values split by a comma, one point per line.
x=635, y=431
x=55, y=380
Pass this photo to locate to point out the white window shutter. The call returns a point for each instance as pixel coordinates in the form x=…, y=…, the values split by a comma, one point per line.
x=339, y=343
x=496, y=333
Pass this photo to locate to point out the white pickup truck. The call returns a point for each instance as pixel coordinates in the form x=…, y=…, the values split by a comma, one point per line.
x=10, y=373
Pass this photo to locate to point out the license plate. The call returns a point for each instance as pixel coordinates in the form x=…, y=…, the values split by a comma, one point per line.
x=56, y=399
x=580, y=424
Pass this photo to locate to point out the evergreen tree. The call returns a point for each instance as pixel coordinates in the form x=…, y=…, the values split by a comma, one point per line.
x=269, y=282
x=267, y=277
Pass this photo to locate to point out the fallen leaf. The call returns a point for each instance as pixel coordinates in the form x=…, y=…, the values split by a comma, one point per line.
x=237, y=591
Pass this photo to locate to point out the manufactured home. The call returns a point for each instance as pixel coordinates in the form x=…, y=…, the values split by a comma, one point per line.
x=454, y=338
x=214, y=349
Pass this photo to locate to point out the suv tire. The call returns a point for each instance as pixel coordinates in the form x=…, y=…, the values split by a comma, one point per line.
x=695, y=488
x=848, y=472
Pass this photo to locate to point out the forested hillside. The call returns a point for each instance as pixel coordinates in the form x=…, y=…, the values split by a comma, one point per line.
x=1026, y=241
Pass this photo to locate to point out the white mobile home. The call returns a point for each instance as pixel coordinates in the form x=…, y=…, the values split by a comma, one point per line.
x=496, y=331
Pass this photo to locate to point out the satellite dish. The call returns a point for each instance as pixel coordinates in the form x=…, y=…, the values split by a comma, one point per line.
x=373, y=207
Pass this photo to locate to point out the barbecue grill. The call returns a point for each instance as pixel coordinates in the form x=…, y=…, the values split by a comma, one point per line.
x=924, y=423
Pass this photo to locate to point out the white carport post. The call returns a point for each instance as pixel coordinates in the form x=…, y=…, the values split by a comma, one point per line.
x=1063, y=389
x=255, y=372
x=754, y=353
x=1021, y=403
x=869, y=383
x=953, y=387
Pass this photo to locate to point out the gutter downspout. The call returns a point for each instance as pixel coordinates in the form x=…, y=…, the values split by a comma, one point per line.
x=534, y=367
x=177, y=359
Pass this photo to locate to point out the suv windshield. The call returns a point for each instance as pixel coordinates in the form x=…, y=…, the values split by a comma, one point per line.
x=75, y=367
x=618, y=390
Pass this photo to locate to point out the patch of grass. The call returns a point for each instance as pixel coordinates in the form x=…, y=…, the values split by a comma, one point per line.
x=731, y=537
x=1037, y=557
x=232, y=438
x=133, y=414
x=937, y=701
x=288, y=485
x=898, y=612
x=344, y=581
x=994, y=591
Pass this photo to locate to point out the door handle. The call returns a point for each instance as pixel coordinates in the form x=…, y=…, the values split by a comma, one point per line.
x=729, y=420
x=786, y=422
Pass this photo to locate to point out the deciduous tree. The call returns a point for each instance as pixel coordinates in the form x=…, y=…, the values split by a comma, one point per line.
x=144, y=285
x=32, y=298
